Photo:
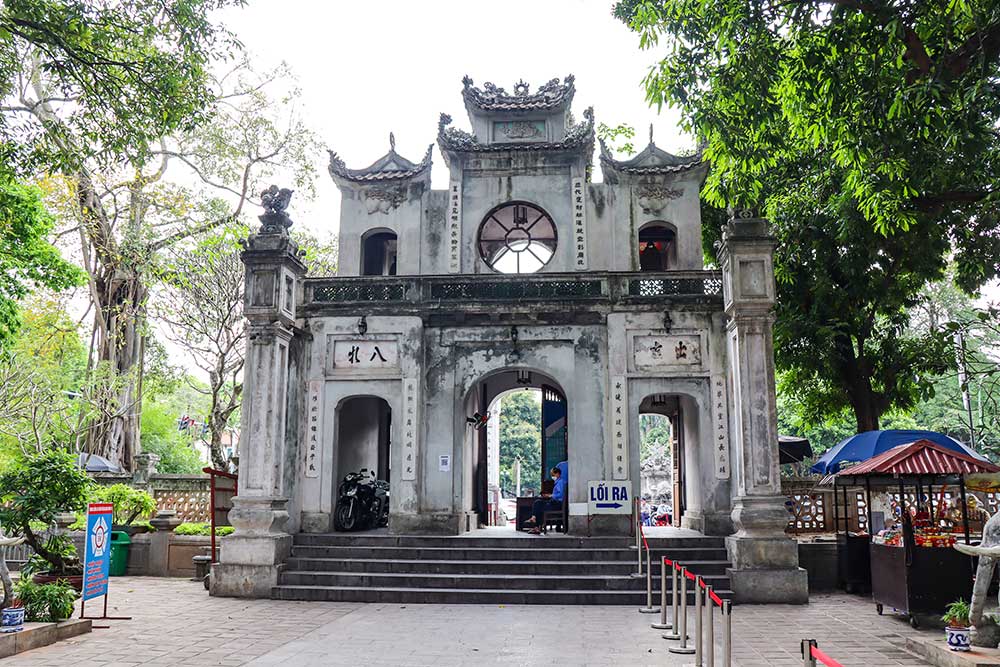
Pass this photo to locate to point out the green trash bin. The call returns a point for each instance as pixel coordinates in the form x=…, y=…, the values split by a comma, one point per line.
x=120, y=542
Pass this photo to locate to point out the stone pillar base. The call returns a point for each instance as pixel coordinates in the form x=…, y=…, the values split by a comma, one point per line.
x=316, y=522
x=249, y=565
x=769, y=586
x=766, y=570
x=718, y=524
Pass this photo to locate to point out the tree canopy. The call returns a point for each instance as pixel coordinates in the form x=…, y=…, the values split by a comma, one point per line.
x=899, y=95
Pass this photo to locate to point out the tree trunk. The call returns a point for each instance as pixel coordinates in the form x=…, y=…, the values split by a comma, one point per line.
x=114, y=433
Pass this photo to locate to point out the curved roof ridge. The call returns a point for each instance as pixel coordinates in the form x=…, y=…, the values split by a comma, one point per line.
x=453, y=139
x=650, y=160
x=550, y=95
x=391, y=166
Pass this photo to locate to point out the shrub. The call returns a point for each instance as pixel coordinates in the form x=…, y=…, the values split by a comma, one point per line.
x=46, y=603
x=202, y=529
x=130, y=504
x=35, y=490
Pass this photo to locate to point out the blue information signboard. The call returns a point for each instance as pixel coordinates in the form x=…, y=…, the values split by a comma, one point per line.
x=97, y=559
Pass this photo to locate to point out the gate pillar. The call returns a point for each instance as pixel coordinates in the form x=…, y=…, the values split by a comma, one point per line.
x=765, y=560
x=249, y=558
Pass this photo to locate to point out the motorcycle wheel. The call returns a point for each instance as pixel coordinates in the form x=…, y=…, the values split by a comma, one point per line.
x=343, y=518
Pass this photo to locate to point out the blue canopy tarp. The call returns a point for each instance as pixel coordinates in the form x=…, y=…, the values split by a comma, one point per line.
x=863, y=446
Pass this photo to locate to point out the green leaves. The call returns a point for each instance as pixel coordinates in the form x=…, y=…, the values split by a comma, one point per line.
x=27, y=259
x=893, y=95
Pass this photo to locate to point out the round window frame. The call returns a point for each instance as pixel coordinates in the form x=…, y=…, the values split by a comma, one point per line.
x=507, y=204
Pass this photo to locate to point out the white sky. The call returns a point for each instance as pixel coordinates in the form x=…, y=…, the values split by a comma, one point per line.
x=368, y=68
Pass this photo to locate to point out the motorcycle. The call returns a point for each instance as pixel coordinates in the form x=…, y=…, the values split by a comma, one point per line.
x=362, y=502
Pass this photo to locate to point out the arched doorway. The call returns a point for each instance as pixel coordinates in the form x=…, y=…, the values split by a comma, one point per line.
x=378, y=253
x=657, y=246
x=364, y=427
x=482, y=442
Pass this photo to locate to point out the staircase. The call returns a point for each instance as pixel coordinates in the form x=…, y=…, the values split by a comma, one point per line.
x=554, y=569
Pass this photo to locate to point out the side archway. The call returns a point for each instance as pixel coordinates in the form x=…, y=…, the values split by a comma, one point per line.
x=657, y=246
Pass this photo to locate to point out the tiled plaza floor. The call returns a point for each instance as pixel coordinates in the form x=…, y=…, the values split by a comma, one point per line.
x=176, y=623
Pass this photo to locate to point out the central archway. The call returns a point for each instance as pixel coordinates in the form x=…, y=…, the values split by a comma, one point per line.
x=481, y=472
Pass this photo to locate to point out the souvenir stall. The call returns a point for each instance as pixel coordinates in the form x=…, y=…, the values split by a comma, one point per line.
x=913, y=567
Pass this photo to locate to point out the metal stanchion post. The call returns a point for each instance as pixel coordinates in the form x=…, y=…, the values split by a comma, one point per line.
x=663, y=624
x=807, y=657
x=699, y=607
x=710, y=630
x=673, y=636
x=649, y=608
x=636, y=519
x=683, y=648
x=727, y=633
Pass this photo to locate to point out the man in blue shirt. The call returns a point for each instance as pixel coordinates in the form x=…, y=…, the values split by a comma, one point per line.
x=548, y=503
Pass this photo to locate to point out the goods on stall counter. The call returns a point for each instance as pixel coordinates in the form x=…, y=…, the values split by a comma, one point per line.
x=934, y=540
x=893, y=537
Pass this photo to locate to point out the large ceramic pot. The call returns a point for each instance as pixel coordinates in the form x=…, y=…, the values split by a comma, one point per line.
x=958, y=639
x=74, y=580
x=13, y=619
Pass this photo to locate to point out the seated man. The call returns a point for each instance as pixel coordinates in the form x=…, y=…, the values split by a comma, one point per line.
x=547, y=502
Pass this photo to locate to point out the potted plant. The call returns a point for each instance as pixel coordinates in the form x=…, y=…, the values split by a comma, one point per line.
x=46, y=603
x=956, y=616
x=32, y=493
x=13, y=617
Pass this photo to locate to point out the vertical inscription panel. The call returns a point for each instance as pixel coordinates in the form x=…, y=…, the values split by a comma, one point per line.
x=619, y=427
x=455, y=227
x=410, y=427
x=314, y=427
x=720, y=427
x=579, y=225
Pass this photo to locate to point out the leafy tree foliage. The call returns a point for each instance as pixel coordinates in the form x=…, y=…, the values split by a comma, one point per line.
x=521, y=438
x=898, y=95
x=27, y=259
x=114, y=77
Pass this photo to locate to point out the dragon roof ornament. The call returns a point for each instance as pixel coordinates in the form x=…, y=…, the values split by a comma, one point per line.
x=549, y=96
x=390, y=167
x=460, y=141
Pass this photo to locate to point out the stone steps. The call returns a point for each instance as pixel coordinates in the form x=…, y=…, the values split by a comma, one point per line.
x=489, y=580
x=682, y=554
x=529, y=567
x=556, y=569
x=407, y=595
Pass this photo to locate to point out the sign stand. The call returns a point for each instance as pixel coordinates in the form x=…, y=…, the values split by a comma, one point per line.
x=97, y=561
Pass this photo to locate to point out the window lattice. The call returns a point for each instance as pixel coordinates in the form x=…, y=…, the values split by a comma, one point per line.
x=359, y=291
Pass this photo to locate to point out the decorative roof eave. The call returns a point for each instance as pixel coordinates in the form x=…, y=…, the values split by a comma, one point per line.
x=652, y=161
x=390, y=167
x=550, y=96
x=453, y=140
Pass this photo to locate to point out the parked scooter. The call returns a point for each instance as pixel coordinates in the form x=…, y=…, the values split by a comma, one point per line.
x=362, y=502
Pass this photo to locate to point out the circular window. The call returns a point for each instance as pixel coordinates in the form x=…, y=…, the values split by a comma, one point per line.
x=517, y=238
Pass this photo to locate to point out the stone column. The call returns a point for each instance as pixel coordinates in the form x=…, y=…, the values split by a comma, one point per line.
x=159, y=542
x=249, y=559
x=765, y=560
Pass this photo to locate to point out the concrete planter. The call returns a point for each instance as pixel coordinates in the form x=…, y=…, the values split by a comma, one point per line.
x=958, y=638
x=74, y=580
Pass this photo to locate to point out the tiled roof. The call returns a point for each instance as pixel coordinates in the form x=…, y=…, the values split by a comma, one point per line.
x=390, y=167
x=651, y=160
x=551, y=95
x=922, y=457
x=459, y=141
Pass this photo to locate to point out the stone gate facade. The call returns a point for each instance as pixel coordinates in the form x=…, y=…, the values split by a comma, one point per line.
x=522, y=273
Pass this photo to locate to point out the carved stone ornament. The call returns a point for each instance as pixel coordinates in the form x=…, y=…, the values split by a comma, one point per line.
x=384, y=199
x=521, y=130
x=275, y=202
x=654, y=198
x=742, y=213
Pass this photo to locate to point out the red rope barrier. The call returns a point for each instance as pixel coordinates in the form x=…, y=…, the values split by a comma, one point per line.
x=690, y=576
x=667, y=561
x=823, y=657
x=716, y=599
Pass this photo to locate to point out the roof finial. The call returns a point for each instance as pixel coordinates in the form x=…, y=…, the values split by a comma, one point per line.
x=650, y=134
x=392, y=141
